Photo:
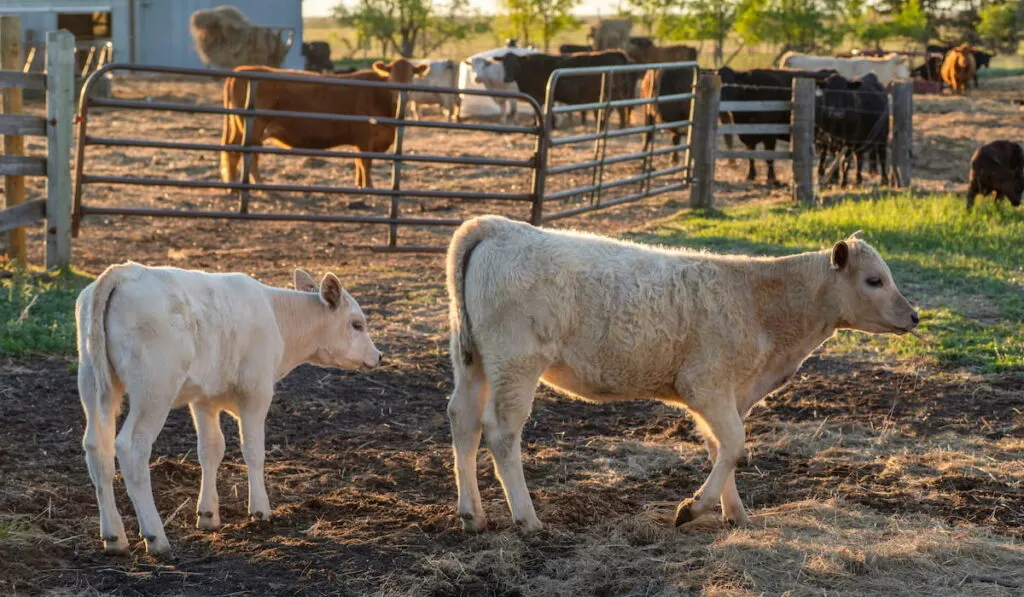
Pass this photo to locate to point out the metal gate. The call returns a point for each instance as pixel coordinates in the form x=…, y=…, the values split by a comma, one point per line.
x=649, y=174
x=542, y=132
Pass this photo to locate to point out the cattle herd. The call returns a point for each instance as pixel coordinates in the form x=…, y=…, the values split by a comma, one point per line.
x=605, y=320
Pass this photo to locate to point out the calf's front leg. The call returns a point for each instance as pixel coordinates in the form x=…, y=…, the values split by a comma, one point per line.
x=252, y=418
x=718, y=420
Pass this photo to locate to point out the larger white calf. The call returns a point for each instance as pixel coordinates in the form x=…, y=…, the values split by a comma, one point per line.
x=217, y=342
x=605, y=320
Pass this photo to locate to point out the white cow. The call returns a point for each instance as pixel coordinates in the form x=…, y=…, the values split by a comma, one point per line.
x=217, y=342
x=605, y=320
x=888, y=68
x=492, y=76
x=442, y=73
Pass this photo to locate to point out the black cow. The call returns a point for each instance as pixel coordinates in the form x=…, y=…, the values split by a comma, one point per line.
x=852, y=119
x=530, y=72
x=931, y=70
x=667, y=82
x=573, y=49
x=318, y=56
x=761, y=85
x=997, y=167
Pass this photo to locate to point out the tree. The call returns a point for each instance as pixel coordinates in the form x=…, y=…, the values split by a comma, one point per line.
x=998, y=25
x=801, y=25
x=406, y=25
x=546, y=18
x=651, y=13
x=701, y=20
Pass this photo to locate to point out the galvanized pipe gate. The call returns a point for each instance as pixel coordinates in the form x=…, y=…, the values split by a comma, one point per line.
x=542, y=130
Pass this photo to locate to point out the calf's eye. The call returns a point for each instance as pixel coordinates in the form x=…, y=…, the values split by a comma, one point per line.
x=874, y=281
x=358, y=326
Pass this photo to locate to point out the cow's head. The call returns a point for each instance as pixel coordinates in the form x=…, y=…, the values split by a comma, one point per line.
x=400, y=70
x=863, y=295
x=510, y=65
x=339, y=331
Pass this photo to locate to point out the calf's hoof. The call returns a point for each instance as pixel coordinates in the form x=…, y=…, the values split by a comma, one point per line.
x=259, y=516
x=158, y=546
x=208, y=521
x=685, y=512
x=473, y=524
x=115, y=546
x=529, y=526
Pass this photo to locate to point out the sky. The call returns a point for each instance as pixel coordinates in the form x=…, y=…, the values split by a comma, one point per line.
x=318, y=8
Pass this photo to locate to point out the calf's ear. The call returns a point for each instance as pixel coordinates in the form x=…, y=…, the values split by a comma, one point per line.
x=330, y=292
x=421, y=70
x=840, y=255
x=305, y=282
x=381, y=69
x=855, y=236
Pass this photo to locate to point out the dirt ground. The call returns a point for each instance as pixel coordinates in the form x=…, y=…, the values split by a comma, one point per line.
x=863, y=477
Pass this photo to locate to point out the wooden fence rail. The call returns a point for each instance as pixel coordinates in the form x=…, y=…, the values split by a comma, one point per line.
x=59, y=84
x=708, y=107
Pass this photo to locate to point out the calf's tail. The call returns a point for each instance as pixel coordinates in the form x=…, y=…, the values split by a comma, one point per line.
x=97, y=339
x=465, y=240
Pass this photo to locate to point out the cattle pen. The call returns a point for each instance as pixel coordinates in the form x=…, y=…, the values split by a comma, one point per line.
x=539, y=175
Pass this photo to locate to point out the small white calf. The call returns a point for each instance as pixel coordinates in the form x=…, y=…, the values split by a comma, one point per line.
x=442, y=73
x=217, y=342
x=492, y=76
x=605, y=320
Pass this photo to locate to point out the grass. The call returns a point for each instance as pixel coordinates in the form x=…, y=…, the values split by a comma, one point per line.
x=37, y=310
x=964, y=270
x=992, y=73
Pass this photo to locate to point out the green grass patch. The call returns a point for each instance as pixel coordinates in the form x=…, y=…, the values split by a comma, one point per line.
x=37, y=311
x=993, y=73
x=964, y=270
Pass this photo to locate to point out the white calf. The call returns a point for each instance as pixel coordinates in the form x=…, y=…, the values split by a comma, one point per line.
x=492, y=76
x=217, y=342
x=605, y=320
x=442, y=73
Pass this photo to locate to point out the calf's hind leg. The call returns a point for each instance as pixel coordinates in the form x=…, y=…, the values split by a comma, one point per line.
x=100, y=429
x=512, y=386
x=465, y=414
x=211, y=453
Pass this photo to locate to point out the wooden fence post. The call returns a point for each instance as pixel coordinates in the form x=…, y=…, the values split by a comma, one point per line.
x=704, y=115
x=902, y=133
x=803, y=140
x=60, y=111
x=14, y=186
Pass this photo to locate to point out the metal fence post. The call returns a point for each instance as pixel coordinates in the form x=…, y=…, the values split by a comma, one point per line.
x=902, y=133
x=14, y=186
x=396, y=170
x=803, y=140
x=247, y=157
x=705, y=138
x=60, y=111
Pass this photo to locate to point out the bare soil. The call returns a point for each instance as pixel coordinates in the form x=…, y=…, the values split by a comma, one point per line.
x=864, y=478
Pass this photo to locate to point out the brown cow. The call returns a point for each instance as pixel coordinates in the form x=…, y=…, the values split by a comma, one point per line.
x=997, y=166
x=643, y=50
x=958, y=68
x=667, y=82
x=314, y=97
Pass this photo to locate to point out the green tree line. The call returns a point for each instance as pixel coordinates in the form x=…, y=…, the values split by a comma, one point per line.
x=420, y=27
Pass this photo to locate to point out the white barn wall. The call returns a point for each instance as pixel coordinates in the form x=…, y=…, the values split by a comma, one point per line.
x=161, y=34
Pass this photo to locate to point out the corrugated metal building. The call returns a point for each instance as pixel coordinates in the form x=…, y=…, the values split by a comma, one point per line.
x=147, y=31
